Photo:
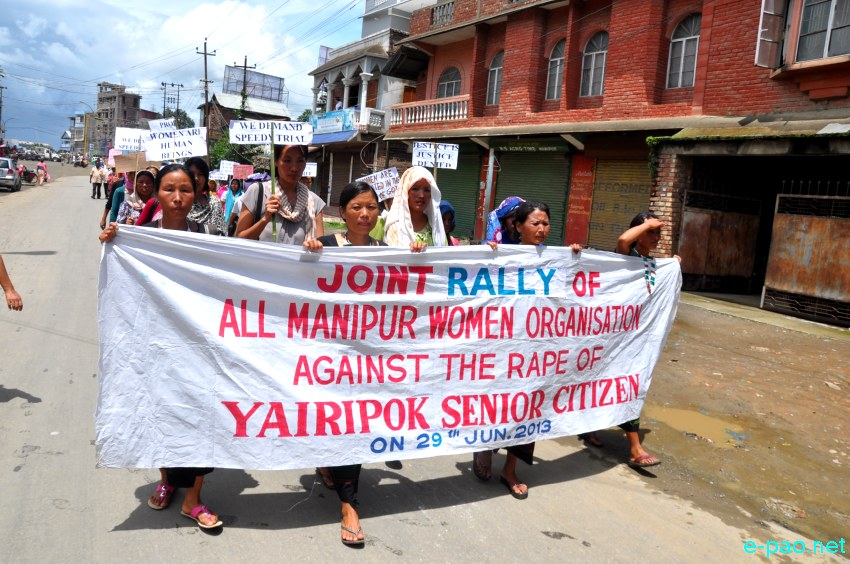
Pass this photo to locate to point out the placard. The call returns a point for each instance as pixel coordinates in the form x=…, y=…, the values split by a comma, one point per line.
x=133, y=162
x=384, y=182
x=256, y=132
x=447, y=154
x=311, y=170
x=218, y=175
x=242, y=171
x=226, y=167
x=179, y=144
x=129, y=139
x=162, y=125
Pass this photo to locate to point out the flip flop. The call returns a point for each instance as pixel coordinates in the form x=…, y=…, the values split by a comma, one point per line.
x=641, y=461
x=510, y=485
x=202, y=509
x=591, y=439
x=326, y=479
x=355, y=542
x=478, y=463
x=163, y=493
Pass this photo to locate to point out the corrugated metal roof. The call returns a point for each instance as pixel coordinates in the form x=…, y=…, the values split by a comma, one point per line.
x=255, y=105
x=337, y=137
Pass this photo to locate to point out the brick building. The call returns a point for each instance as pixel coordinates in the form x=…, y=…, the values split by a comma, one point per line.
x=697, y=110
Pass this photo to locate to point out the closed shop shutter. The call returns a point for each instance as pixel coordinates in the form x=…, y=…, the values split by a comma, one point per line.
x=621, y=190
x=537, y=176
x=341, y=176
x=461, y=187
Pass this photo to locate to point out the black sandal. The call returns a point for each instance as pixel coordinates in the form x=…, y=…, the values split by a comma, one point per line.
x=482, y=463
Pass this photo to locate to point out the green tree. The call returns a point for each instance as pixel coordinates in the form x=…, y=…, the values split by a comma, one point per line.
x=305, y=115
x=181, y=118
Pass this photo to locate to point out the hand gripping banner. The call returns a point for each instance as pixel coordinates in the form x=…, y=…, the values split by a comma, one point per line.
x=238, y=354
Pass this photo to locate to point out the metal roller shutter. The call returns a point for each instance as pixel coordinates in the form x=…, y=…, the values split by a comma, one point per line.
x=461, y=187
x=621, y=190
x=543, y=177
x=341, y=175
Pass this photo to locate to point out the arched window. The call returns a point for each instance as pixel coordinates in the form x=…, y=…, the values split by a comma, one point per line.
x=449, y=83
x=494, y=79
x=556, y=71
x=683, y=53
x=593, y=65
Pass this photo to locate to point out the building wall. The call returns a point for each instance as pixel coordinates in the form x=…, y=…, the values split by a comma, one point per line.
x=727, y=82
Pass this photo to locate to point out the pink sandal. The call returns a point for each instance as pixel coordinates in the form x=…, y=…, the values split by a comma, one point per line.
x=202, y=510
x=162, y=494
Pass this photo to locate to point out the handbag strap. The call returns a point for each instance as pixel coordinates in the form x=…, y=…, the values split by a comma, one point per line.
x=258, y=213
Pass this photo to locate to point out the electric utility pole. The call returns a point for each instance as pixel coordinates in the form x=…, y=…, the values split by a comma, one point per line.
x=206, y=82
x=244, y=68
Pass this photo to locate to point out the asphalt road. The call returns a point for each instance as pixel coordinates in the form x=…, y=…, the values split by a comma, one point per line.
x=56, y=506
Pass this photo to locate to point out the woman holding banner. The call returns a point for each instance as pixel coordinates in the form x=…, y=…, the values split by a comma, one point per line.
x=414, y=219
x=532, y=225
x=293, y=210
x=175, y=189
x=358, y=207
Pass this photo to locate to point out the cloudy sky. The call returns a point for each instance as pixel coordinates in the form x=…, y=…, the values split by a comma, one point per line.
x=54, y=52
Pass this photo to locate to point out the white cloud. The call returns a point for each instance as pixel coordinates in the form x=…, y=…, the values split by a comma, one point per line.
x=144, y=44
x=33, y=27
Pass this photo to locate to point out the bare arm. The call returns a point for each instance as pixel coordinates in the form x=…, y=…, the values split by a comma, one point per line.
x=630, y=236
x=13, y=298
x=320, y=224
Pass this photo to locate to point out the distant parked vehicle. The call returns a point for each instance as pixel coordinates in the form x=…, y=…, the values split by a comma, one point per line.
x=9, y=177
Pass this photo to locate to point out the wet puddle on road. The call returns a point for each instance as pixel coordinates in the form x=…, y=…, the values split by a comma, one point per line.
x=699, y=426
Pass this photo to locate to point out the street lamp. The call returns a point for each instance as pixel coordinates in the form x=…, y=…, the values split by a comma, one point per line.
x=5, y=121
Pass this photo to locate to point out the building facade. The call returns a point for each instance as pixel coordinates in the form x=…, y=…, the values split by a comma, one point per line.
x=352, y=96
x=115, y=108
x=709, y=113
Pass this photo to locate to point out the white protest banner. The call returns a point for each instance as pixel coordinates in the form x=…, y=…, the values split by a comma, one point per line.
x=227, y=167
x=129, y=139
x=384, y=182
x=218, y=175
x=179, y=144
x=162, y=125
x=255, y=132
x=311, y=170
x=447, y=153
x=265, y=356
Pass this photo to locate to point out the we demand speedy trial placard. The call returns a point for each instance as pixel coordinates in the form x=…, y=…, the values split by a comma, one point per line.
x=239, y=354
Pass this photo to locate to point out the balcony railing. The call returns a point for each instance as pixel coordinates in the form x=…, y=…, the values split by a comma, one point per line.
x=442, y=14
x=372, y=120
x=430, y=111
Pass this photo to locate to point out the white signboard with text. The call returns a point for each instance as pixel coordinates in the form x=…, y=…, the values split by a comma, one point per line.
x=447, y=153
x=384, y=182
x=256, y=132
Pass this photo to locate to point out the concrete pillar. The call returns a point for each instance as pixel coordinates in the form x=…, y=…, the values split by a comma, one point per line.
x=316, y=91
x=365, y=77
x=347, y=84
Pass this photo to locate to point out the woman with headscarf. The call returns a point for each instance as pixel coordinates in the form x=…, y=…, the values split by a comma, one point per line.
x=500, y=222
x=296, y=210
x=230, y=197
x=447, y=212
x=414, y=218
x=133, y=203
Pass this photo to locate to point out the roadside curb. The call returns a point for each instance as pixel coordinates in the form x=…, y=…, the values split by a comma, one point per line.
x=763, y=316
